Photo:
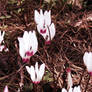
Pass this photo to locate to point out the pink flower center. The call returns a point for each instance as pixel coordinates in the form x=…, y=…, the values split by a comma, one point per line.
x=43, y=31
x=47, y=42
x=25, y=60
x=68, y=70
x=36, y=82
x=28, y=53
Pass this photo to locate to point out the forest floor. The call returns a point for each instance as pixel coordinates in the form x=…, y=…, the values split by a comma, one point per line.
x=73, y=38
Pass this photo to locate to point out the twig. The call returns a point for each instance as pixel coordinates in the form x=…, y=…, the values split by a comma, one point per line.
x=87, y=83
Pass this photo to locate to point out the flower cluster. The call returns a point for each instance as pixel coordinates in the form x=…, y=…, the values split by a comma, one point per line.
x=28, y=46
x=44, y=25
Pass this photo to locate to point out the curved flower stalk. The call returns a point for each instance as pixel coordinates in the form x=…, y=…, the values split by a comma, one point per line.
x=87, y=58
x=36, y=73
x=28, y=45
x=6, y=89
x=44, y=25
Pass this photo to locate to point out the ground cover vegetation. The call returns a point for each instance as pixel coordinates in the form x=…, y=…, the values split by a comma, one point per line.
x=59, y=60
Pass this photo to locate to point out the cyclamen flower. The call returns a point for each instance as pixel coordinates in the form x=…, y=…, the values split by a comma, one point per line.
x=64, y=90
x=87, y=58
x=69, y=78
x=1, y=48
x=75, y=89
x=44, y=25
x=28, y=45
x=6, y=89
x=36, y=73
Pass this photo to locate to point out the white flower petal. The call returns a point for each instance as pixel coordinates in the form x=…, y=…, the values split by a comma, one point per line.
x=87, y=60
x=37, y=17
x=76, y=89
x=1, y=48
x=41, y=72
x=47, y=17
x=28, y=69
x=34, y=42
x=64, y=90
x=70, y=83
x=85, y=57
x=26, y=40
x=31, y=71
x=33, y=77
x=36, y=68
x=6, y=89
x=41, y=18
x=21, y=47
x=79, y=89
x=70, y=89
x=52, y=30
